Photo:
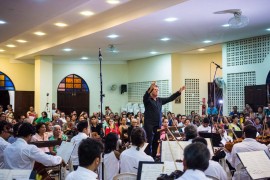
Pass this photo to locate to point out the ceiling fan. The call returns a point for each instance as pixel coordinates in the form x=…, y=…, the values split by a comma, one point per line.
x=238, y=21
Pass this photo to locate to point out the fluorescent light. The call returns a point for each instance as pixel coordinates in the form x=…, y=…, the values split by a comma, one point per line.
x=60, y=24
x=165, y=39
x=225, y=25
x=153, y=52
x=171, y=19
x=268, y=29
x=21, y=41
x=207, y=41
x=86, y=13
x=2, y=22
x=11, y=45
x=201, y=49
x=67, y=49
x=84, y=58
x=113, y=1
x=39, y=33
x=2, y=50
x=112, y=36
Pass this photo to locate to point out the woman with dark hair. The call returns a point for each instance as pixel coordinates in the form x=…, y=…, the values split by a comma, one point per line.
x=111, y=157
x=41, y=135
x=129, y=159
x=44, y=118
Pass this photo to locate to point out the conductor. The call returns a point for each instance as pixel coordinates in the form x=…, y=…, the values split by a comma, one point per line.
x=153, y=113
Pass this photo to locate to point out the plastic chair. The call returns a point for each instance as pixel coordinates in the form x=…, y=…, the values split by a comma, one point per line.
x=125, y=176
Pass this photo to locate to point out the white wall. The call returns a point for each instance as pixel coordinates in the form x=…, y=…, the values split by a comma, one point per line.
x=112, y=74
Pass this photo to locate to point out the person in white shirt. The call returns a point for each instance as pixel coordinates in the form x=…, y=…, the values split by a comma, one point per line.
x=196, y=161
x=204, y=126
x=249, y=144
x=214, y=169
x=83, y=129
x=89, y=152
x=21, y=155
x=5, y=131
x=129, y=158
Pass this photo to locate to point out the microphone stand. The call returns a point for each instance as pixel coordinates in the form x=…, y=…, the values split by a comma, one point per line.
x=101, y=99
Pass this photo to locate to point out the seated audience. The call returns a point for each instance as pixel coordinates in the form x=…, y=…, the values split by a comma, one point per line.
x=57, y=134
x=123, y=129
x=196, y=161
x=129, y=158
x=21, y=155
x=41, y=135
x=83, y=129
x=134, y=123
x=111, y=128
x=89, y=153
x=5, y=131
x=44, y=118
x=96, y=129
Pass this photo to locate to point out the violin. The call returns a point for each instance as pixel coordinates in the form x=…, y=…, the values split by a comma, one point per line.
x=174, y=175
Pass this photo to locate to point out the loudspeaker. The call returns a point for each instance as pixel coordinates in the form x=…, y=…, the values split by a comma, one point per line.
x=123, y=88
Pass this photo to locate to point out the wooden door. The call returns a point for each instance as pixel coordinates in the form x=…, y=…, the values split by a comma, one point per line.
x=4, y=99
x=23, y=100
x=68, y=101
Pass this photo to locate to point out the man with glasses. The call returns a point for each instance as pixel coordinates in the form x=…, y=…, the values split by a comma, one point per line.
x=5, y=131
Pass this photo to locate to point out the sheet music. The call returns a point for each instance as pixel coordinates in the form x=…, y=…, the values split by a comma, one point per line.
x=8, y=174
x=169, y=167
x=177, y=152
x=257, y=163
x=65, y=150
x=151, y=171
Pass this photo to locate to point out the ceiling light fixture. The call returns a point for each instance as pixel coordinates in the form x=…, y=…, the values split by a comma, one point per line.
x=2, y=22
x=2, y=50
x=113, y=1
x=207, y=41
x=268, y=29
x=10, y=45
x=39, y=33
x=201, y=49
x=67, y=49
x=165, y=39
x=153, y=52
x=21, y=41
x=171, y=19
x=225, y=25
x=86, y=13
x=112, y=36
x=60, y=24
x=84, y=58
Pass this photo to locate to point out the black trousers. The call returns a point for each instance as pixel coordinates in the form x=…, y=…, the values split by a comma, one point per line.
x=152, y=138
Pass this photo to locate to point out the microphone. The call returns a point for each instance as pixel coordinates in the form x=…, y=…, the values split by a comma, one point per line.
x=99, y=54
x=218, y=66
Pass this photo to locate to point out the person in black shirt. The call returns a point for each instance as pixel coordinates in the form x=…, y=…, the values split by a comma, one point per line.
x=96, y=129
x=153, y=113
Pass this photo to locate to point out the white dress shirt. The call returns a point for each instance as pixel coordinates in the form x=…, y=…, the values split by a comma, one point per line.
x=3, y=145
x=76, y=140
x=191, y=174
x=82, y=174
x=21, y=155
x=129, y=159
x=205, y=129
x=111, y=166
x=216, y=170
x=247, y=145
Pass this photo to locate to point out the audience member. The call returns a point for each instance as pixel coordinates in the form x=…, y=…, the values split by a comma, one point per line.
x=5, y=131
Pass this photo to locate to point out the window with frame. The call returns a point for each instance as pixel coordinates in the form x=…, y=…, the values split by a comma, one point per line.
x=73, y=83
x=5, y=83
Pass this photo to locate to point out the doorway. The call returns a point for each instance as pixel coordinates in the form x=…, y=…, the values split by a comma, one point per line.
x=73, y=95
x=6, y=87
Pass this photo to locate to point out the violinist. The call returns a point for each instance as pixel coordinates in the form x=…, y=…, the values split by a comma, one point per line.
x=249, y=144
x=165, y=125
x=234, y=125
x=190, y=132
x=204, y=126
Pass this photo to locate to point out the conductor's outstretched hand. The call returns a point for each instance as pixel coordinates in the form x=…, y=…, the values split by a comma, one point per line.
x=182, y=89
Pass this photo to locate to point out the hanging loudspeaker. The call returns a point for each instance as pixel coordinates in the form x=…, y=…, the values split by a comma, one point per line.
x=123, y=88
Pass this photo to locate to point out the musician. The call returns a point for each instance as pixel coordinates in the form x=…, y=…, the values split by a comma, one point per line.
x=5, y=131
x=21, y=155
x=214, y=169
x=190, y=132
x=204, y=126
x=89, y=153
x=234, y=125
x=248, y=144
x=83, y=129
x=153, y=112
x=129, y=158
x=196, y=161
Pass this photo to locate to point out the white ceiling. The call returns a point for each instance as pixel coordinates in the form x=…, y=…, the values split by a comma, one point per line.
x=139, y=23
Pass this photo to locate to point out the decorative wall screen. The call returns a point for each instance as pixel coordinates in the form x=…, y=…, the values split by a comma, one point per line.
x=248, y=51
x=192, y=96
x=73, y=83
x=5, y=83
x=137, y=90
x=236, y=83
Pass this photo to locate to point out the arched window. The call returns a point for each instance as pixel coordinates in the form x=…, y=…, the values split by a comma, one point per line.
x=5, y=83
x=73, y=83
